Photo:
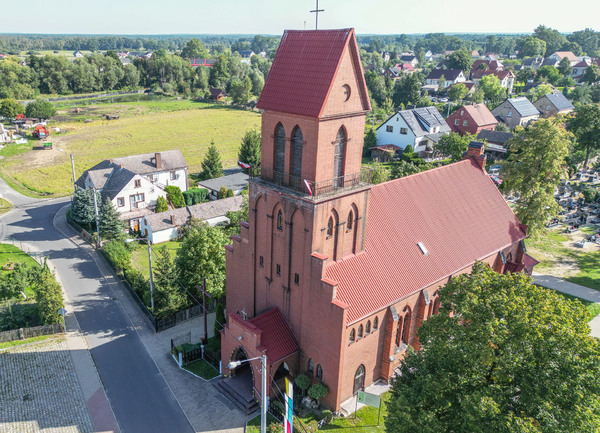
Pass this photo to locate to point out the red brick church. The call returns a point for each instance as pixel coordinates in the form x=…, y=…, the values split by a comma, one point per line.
x=332, y=276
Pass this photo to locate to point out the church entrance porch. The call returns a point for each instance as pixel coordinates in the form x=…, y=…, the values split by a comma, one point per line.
x=238, y=388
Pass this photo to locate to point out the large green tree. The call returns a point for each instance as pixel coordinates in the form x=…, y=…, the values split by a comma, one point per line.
x=492, y=88
x=211, y=165
x=111, y=226
x=525, y=75
x=40, y=109
x=460, y=59
x=168, y=294
x=564, y=67
x=202, y=254
x=82, y=209
x=548, y=74
x=194, y=50
x=9, y=108
x=407, y=90
x=250, y=150
x=457, y=92
x=453, y=145
x=553, y=38
x=534, y=168
x=240, y=90
x=503, y=355
x=591, y=74
x=586, y=127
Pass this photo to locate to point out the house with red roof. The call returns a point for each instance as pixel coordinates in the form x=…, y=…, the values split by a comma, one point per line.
x=332, y=276
x=472, y=119
x=559, y=55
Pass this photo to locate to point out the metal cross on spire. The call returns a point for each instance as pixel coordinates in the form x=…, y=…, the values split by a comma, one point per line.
x=316, y=12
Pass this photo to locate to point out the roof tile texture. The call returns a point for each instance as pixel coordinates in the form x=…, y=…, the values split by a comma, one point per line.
x=277, y=336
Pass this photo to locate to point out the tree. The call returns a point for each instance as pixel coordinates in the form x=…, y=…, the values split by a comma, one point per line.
x=492, y=89
x=111, y=225
x=168, y=295
x=453, y=145
x=317, y=391
x=534, y=168
x=236, y=217
x=512, y=357
x=40, y=109
x=302, y=381
x=457, y=92
x=379, y=173
x=585, y=125
x=82, y=209
x=533, y=47
x=9, y=108
x=202, y=254
x=48, y=297
x=553, y=38
x=211, y=165
x=477, y=96
x=194, y=50
x=564, y=67
x=402, y=169
x=502, y=127
x=541, y=90
x=592, y=74
x=525, y=75
x=219, y=318
x=161, y=205
x=548, y=74
x=370, y=141
x=175, y=196
x=441, y=83
x=460, y=59
x=240, y=91
x=250, y=150
x=407, y=90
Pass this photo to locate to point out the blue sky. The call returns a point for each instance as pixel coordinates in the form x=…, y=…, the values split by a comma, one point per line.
x=273, y=16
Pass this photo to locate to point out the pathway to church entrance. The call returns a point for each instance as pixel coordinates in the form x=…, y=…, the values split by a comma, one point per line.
x=238, y=388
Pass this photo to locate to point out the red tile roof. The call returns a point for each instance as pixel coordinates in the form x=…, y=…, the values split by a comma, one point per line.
x=455, y=211
x=277, y=336
x=304, y=69
x=480, y=114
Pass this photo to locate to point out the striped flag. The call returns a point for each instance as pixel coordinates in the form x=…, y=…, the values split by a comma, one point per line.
x=308, y=186
x=288, y=417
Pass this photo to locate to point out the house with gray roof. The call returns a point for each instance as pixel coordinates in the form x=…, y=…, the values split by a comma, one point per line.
x=553, y=104
x=495, y=141
x=234, y=179
x=134, y=183
x=420, y=127
x=164, y=226
x=516, y=112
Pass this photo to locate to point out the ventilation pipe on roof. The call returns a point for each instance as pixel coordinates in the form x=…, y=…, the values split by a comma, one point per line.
x=172, y=220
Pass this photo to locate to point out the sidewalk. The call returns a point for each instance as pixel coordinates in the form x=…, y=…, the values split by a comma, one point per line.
x=204, y=406
x=573, y=289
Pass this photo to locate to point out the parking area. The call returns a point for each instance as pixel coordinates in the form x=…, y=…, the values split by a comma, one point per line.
x=39, y=391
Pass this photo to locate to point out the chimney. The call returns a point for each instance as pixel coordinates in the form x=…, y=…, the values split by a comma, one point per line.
x=476, y=152
x=172, y=218
x=158, y=160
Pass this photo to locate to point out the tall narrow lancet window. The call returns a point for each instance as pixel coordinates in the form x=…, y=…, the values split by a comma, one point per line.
x=279, y=151
x=330, y=227
x=338, y=157
x=350, y=221
x=296, y=167
x=406, y=329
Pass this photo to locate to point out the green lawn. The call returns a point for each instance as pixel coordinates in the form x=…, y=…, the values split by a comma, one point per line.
x=10, y=253
x=202, y=368
x=144, y=127
x=25, y=341
x=5, y=206
x=139, y=257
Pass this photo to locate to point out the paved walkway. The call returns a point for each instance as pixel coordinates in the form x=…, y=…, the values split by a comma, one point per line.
x=573, y=289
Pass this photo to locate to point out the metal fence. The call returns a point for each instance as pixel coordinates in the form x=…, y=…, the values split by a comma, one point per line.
x=36, y=331
x=177, y=318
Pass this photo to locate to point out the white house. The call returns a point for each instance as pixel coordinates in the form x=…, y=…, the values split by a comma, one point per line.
x=451, y=76
x=134, y=183
x=559, y=55
x=419, y=127
x=164, y=226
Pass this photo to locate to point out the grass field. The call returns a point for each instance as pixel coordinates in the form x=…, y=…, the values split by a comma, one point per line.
x=5, y=206
x=143, y=127
x=202, y=368
x=10, y=253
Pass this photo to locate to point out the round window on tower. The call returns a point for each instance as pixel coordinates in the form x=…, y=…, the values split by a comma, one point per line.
x=346, y=92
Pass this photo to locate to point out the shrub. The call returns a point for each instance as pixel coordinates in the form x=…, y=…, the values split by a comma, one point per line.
x=224, y=192
x=317, y=391
x=117, y=254
x=302, y=381
x=139, y=284
x=175, y=196
x=161, y=205
x=49, y=298
x=195, y=196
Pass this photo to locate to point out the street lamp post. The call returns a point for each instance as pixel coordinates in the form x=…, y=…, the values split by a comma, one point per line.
x=264, y=398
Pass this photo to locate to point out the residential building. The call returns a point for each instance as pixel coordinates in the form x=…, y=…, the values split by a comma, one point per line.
x=553, y=104
x=451, y=76
x=559, y=55
x=409, y=59
x=506, y=77
x=233, y=179
x=532, y=62
x=78, y=54
x=397, y=70
x=246, y=54
x=333, y=281
x=385, y=152
x=420, y=128
x=134, y=183
x=164, y=226
x=516, y=112
x=472, y=119
x=218, y=94
x=490, y=65
x=495, y=141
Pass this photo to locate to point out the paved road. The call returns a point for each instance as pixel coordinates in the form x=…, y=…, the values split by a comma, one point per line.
x=140, y=397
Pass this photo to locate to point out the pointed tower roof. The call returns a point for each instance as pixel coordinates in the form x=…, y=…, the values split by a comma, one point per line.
x=304, y=70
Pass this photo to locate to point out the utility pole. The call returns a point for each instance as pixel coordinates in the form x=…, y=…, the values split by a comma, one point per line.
x=204, y=295
x=97, y=217
x=151, y=278
x=73, y=168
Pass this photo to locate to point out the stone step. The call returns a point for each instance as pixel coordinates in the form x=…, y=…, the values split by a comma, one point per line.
x=246, y=405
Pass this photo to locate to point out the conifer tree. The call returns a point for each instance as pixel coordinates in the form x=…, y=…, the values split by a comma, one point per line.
x=83, y=206
x=212, y=165
x=111, y=226
x=250, y=150
x=161, y=205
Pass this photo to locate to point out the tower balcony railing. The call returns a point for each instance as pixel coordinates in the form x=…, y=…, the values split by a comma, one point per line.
x=332, y=186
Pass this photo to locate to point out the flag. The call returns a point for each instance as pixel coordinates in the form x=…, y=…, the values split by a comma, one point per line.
x=244, y=165
x=288, y=416
x=308, y=186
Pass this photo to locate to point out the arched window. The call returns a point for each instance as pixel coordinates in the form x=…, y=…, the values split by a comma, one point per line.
x=319, y=372
x=368, y=328
x=359, y=379
x=360, y=332
x=311, y=368
x=399, y=332
x=350, y=221
x=296, y=168
x=280, y=220
x=406, y=329
x=338, y=157
x=509, y=257
x=352, y=336
x=436, y=306
x=330, y=227
x=430, y=309
x=375, y=323
x=279, y=149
